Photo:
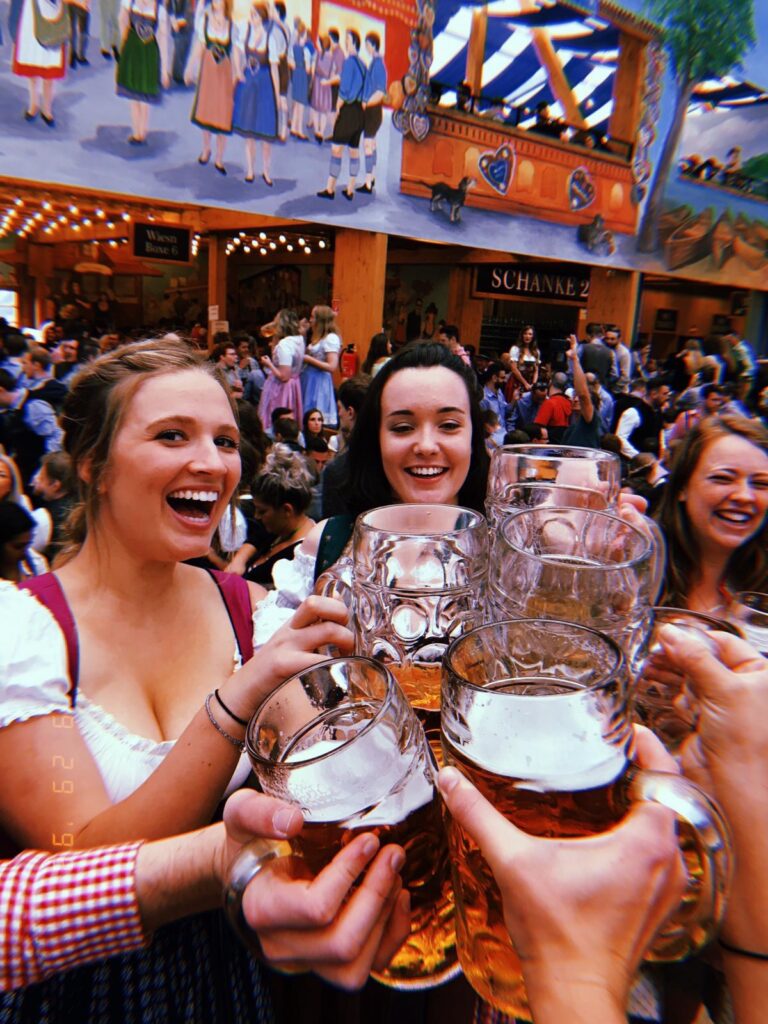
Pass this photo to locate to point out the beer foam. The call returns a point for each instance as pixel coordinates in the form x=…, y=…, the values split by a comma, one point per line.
x=369, y=775
x=554, y=742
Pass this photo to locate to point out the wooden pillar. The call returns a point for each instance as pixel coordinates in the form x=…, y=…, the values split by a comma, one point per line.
x=217, y=282
x=613, y=299
x=40, y=270
x=558, y=83
x=476, y=50
x=628, y=88
x=359, y=275
x=464, y=311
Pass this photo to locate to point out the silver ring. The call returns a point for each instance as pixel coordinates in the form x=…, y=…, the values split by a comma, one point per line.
x=252, y=859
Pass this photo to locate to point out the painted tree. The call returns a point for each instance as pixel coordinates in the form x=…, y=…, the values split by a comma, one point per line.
x=703, y=39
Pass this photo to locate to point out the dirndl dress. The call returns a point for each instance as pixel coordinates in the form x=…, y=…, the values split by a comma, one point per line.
x=255, y=105
x=275, y=393
x=322, y=95
x=299, y=76
x=30, y=59
x=212, y=109
x=138, y=72
x=317, y=391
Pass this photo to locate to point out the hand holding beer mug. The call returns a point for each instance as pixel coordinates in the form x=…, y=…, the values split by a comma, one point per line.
x=577, y=565
x=341, y=742
x=580, y=929
x=663, y=701
x=535, y=714
x=419, y=581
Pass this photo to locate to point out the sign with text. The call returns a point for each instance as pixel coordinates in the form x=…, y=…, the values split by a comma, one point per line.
x=553, y=281
x=168, y=243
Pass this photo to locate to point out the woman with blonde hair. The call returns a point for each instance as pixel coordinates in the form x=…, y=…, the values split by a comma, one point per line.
x=283, y=367
x=139, y=734
x=320, y=363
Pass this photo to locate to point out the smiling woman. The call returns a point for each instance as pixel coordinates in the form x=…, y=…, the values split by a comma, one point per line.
x=149, y=719
x=714, y=514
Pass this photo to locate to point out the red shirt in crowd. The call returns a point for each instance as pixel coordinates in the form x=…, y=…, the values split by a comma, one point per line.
x=555, y=412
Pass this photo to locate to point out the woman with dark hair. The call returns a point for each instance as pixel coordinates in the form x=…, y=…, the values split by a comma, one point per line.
x=525, y=359
x=379, y=353
x=17, y=559
x=314, y=426
x=419, y=438
x=714, y=514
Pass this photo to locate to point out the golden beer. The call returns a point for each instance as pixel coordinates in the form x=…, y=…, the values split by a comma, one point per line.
x=420, y=682
x=411, y=817
x=486, y=953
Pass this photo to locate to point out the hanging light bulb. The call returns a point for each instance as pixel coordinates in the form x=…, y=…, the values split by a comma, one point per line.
x=73, y=210
x=126, y=216
x=246, y=248
x=263, y=236
x=289, y=247
x=46, y=205
x=302, y=242
x=99, y=213
x=321, y=244
x=272, y=245
x=281, y=239
x=307, y=250
x=263, y=251
x=19, y=202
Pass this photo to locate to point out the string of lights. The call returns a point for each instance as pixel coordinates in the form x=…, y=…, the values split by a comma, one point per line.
x=261, y=243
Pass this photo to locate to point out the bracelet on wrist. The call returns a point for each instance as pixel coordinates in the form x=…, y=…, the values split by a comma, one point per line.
x=750, y=954
x=232, y=715
x=230, y=739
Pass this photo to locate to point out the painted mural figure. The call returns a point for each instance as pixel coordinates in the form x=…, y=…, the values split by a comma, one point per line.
x=300, y=63
x=212, y=109
x=142, y=71
x=39, y=63
x=374, y=94
x=257, y=88
x=337, y=63
x=109, y=29
x=79, y=22
x=350, y=120
x=181, y=16
x=321, y=100
x=283, y=71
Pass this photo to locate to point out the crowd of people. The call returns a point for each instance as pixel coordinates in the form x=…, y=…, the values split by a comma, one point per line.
x=252, y=466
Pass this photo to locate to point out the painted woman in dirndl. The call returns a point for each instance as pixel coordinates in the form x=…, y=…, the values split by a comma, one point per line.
x=142, y=72
x=257, y=89
x=212, y=109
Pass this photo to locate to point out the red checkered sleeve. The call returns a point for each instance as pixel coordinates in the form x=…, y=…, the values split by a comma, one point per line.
x=59, y=911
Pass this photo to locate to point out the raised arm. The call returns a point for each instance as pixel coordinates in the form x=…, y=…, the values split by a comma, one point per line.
x=580, y=385
x=59, y=800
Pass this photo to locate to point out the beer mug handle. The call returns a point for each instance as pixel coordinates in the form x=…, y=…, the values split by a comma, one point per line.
x=706, y=847
x=252, y=859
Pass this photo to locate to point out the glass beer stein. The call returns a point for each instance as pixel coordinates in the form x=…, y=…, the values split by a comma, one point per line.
x=750, y=615
x=662, y=699
x=578, y=565
x=524, y=475
x=341, y=742
x=535, y=714
x=419, y=581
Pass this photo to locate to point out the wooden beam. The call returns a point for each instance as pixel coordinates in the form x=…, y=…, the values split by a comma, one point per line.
x=547, y=55
x=359, y=276
x=217, y=282
x=628, y=88
x=476, y=50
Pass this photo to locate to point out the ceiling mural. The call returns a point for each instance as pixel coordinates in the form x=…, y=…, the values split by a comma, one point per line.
x=620, y=133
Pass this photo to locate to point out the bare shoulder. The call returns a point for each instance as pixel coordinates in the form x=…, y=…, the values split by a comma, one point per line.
x=257, y=592
x=311, y=542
